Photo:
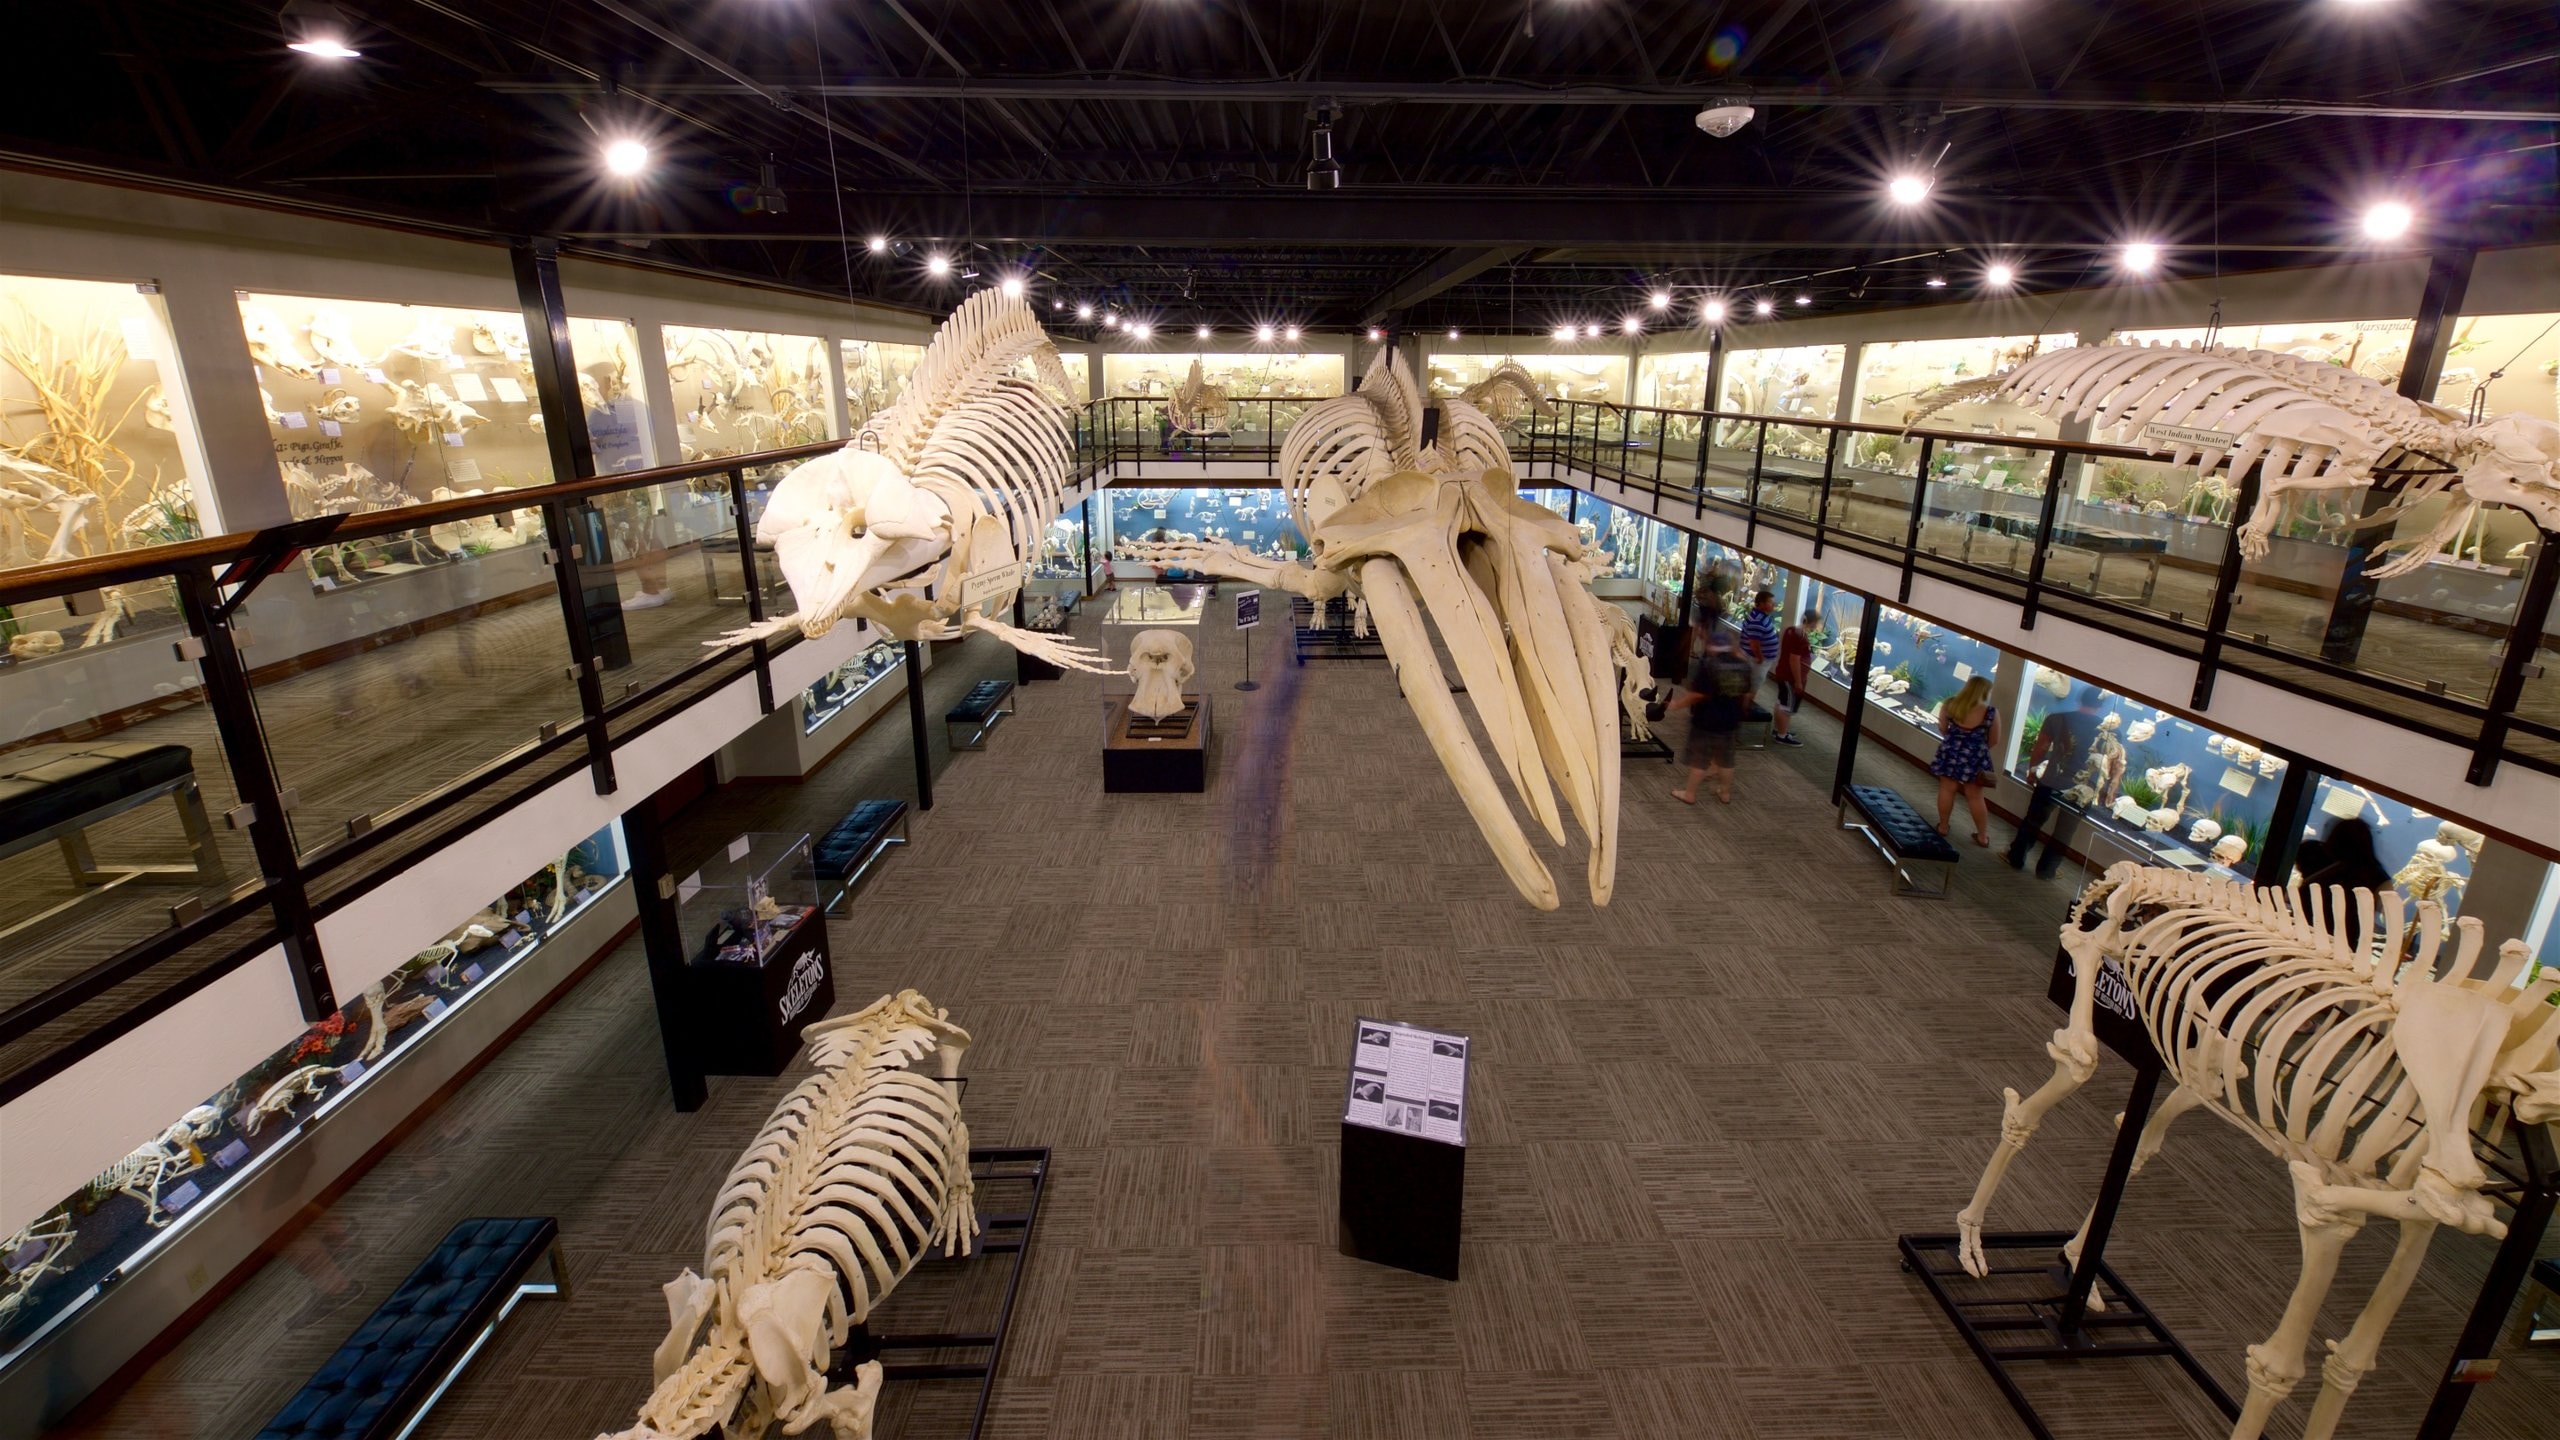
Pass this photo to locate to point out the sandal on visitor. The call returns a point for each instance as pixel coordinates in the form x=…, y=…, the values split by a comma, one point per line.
x=1684, y=799
x=1982, y=840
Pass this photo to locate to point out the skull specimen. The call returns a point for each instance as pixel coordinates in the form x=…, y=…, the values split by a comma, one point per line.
x=1160, y=661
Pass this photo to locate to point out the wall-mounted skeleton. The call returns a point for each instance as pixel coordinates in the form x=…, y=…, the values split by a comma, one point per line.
x=951, y=487
x=1197, y=407
x=861, y=1169
x=2364, y=1077
x=1388, y=519
x=2308, y=426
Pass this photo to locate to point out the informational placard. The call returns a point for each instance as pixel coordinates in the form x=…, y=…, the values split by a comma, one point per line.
x=990, y=583
x=1248, y=609
x=1409, y=1080
x=2114, y=1015
x=2157, y=436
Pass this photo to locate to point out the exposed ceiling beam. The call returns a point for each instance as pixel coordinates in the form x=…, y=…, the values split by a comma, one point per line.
x=1440, y=272
x=2534, y=108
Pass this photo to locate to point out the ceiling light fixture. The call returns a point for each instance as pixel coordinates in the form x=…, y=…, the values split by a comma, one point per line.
x=1564, y=334
x=767, y=198
x=1661, y=300
x=1713, y=310
x=626, y=157
x=2141, y=257
x=1143, y=331
x=1453, y=334
x=879, y=244
x=1632, y=325
x=1376, y=334
x=1323, y=171
x=1937, y=282
x=1804, y=299
x=937, y=265
x=1202, y=332
x=312, y=27
x=1909, y=189
x=2000, y=275
x=2388, y=220
x=1110, y=322
x=1012, y=287
x=1290, y=334
x=1084, y=312
x=1724, y=115
x=1262, y=333
x=1764, y=307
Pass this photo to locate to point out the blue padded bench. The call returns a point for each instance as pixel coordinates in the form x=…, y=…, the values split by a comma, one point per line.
x=986, y=704
x=1907, y=839
x=404, y=1355
x=848, y=851
x=57, y=791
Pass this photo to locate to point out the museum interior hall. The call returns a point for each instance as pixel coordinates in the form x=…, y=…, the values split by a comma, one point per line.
x=1116, y=719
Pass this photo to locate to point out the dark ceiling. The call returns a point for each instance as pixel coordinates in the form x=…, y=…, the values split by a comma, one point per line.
x=1506, y=165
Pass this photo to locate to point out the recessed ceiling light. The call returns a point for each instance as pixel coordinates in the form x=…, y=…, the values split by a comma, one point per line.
x=1908, y=189
x=1262, y=333
x=2141, y=257
x=1012, y=286
x=1764, y=307
x=319, y=29
x=937, y=265
x=1632, y=325
x=1713, y=310
x=1084, y=312
x=626, y=157
x=1999, y=276
x=1290, y=335
x=1661, y=300
x=1143, y=330
x=1804, y=299
x=879, y=244
x=2388, y=220
x=1202, y=332
x=1937, y=282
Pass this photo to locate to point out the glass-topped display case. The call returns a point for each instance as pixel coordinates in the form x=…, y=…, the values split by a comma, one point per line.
x=875, y=374
x=2171, y=791
x=103, y=445
x=739, y=391
x=1257, y=520
x=835, y=692
x=102, y=1234
x=2427, y=857
x=745, y=904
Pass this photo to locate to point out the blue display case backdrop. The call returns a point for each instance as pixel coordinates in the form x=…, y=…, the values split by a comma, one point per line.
x=2398, y=832
x=1256, y=519
x=2230, y=781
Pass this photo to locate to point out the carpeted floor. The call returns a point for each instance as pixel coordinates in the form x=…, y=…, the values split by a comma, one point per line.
x=1698, y=1118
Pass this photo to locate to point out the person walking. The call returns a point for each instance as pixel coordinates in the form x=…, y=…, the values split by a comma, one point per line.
x=1793, y=672
x=2062, y=747
x=1968, y=735
x=1718, y=692
x=1760, y=641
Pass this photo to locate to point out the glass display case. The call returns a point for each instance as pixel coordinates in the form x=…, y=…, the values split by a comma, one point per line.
x=1835, y=636
x=875, y=374
x=1619, y=531
x=2522, y=351
x=1800, y=381
x=1894, y=374
x=740, y=391
x=99, y=1235
x=373, y=405
x=1558, y=498
x=1062, y=550
x=1917, y=666
x=2427, y=857
x=1278, y=375
x=102, y=447
x=1257, y=520
x=837, y=690
x=1596, y=376
x=747, y=903
x=2170, y=791
x=1676, y=381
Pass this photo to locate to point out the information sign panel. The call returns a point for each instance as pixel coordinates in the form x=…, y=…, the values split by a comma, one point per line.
x=1409, y=1080
x=1248, y=609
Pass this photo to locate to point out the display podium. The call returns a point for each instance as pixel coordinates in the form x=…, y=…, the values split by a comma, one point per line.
x=1404, y=1148
x=1143, y=756
x=758, y=968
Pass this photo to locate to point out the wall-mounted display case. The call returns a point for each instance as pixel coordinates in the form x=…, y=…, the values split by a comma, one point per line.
x=875, y=375
x=1277, y=375
x=2428, y=857
x=841, y=688
x=1257, y=519
x=2522, y=351
x=1675, y=381
x=100, y=1234
x=738, y=391
x=1619, y=531
x=1062, y=551
x=1800, y=381
x=1918, y=666
x=1555, y=497
x=806, y=730
x=1599, y=375
x=97, y=438
x=2168, y=790
x=373, y=405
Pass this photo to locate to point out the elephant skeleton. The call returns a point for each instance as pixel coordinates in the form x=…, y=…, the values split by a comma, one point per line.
x=2308, y=426
x=949, y=490
x=861, y=1169
x=1389, y=521
x=2364, y=1077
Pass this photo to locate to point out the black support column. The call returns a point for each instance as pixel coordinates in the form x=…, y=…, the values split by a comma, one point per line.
x=662, y=938
x=915, y=723
x=1853, y=715
x=2448, y=280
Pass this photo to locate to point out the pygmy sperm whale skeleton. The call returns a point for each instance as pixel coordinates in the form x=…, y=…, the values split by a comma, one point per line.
x=2364, y=1067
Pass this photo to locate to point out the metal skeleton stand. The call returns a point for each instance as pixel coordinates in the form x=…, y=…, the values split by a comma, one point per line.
x=2007, y=1320
x=1006, y=1232
x=2531, y=1189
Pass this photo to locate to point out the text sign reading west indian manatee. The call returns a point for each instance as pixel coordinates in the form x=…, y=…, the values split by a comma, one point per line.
x=2181, y=437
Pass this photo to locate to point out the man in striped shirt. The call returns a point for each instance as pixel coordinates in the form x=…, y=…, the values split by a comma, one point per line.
x=1760, y=640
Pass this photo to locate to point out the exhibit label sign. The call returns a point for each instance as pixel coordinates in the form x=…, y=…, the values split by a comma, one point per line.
x=1248, y=609
x=1409, y=1080
x=2113, y=1015
x=992, y=583
x=2184, y=437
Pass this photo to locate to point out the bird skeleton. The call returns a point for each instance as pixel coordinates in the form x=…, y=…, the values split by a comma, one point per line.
x=860, y=1170
x=2308, y=426
x=2363, y=1065
x=928, y=522
x=1390, y=521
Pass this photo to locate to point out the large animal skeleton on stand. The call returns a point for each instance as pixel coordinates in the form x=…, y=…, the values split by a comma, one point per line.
x=1388, y=520
x=2309, y=426
x=861, y=1170
x=953, y=487
x=2364, y=1075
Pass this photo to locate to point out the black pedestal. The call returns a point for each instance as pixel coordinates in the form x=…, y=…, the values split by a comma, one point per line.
x=1148, y=757
x=1401, y=1200
x=747, y=1018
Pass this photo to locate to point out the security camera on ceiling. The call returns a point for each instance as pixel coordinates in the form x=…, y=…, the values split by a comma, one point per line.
x=1722, y=117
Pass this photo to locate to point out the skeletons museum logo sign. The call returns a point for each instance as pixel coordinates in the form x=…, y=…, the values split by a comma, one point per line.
x=806, y=976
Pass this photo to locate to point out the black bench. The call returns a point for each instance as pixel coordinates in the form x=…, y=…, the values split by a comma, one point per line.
x=986, y=705
x=847, y=852
x=404, y=1355
x=56, y=792
x=1906, y=839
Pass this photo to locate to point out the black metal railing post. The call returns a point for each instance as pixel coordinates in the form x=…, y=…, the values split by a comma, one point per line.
x=2518, y=662
x=1661, y=449
x=748, y=577
x=1853, y=714
x=214, y=645
x=1084, y=537
x=1706, y=455
x=915, y=724
x=1759, y=461
x=2226, y=595
x=2034, y=600
x=586, y=664
x=1919, y=512
x=1822, y=501
x=2285, y=824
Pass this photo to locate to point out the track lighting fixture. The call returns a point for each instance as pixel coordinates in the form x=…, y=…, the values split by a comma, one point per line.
x=1084, y=312
x=1011, y=286
x=2141, y=257
x=1661, y=300
x=767, y=197
x=937, y=265
x=1323, y=171
x=1290, y=334
x=316, y=28
x=879, y=244
x=1632, y=325
x=2388, y=220
x=1764, y=308
x=1713, y=310
x=1202, y=332
x=2000, y=275
x=626, y=158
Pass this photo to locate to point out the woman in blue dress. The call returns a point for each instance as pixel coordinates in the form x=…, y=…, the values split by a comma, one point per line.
x=1968, y=733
